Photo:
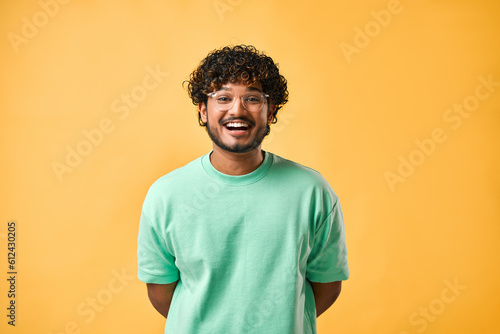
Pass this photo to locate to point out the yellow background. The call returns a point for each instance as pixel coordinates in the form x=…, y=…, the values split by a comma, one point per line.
x=349, y=117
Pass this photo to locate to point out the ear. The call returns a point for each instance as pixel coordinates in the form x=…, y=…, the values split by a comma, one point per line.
x=270, y=117
x=202, y=108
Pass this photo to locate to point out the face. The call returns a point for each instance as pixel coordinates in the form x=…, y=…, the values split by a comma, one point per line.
x=236, y=130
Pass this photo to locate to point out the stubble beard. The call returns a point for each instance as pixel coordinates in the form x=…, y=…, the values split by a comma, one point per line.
x=239, y=148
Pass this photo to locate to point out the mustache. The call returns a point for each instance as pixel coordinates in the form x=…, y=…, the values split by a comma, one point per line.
x=235, y=119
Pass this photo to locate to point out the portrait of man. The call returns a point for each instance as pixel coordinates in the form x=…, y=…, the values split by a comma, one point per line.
x=250, y=167
x=241, y=240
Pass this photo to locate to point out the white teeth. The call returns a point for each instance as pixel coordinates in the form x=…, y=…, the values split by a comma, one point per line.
x=237, y=125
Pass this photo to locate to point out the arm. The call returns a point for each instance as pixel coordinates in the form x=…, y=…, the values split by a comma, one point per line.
x=325, y=295
x=160, y=296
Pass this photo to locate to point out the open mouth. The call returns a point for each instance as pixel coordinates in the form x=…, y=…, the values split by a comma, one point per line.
x=238, y=127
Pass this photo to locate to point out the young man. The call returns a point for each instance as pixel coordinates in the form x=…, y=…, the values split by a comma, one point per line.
x=241, y=240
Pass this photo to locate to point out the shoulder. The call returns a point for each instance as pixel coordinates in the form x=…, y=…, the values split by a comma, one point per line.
x=187, y=170
x=296, y=169
x=175, y=180
x=302, y=176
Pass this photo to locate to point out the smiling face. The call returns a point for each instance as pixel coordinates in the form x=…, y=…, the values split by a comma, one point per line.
x=236, y=130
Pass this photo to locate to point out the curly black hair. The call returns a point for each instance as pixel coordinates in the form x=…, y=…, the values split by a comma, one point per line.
x=240, y=63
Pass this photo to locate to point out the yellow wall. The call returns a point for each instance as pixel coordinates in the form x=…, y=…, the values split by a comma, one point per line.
x=372, y=84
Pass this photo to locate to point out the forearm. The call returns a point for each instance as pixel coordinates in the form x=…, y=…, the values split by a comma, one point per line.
x=325, y=294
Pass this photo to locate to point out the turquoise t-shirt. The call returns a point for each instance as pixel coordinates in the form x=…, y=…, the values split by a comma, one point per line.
x=242, y=246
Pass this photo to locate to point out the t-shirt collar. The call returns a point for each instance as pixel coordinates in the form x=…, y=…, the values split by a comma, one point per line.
x=238, y=180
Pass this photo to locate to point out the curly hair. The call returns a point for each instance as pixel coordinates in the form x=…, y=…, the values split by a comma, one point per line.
x=240, y=63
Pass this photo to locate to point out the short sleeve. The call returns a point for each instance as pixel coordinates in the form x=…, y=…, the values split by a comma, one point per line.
x=327, y=261
x=156, y=264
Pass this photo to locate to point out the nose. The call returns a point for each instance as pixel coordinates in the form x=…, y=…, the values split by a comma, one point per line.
x=237, y=108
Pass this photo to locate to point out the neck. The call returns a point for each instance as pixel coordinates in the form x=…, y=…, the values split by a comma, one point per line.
x=236, y=163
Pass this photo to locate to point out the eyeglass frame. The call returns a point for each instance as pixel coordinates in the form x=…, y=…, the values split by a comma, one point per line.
x=213, y=94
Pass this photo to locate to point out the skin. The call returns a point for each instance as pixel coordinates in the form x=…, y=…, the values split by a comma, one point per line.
x=160, y=296
x=232, y=163
x=325, y=294
x=225, y=161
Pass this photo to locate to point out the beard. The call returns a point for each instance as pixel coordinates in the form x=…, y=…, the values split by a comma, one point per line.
x=239, y=148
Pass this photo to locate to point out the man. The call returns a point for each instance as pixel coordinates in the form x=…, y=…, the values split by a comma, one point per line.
x=241, y=240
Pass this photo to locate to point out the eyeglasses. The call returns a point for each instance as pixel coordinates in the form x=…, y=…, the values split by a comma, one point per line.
x=252, y=101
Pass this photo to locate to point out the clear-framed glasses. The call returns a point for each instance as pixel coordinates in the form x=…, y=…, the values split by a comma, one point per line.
x=252, y=101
